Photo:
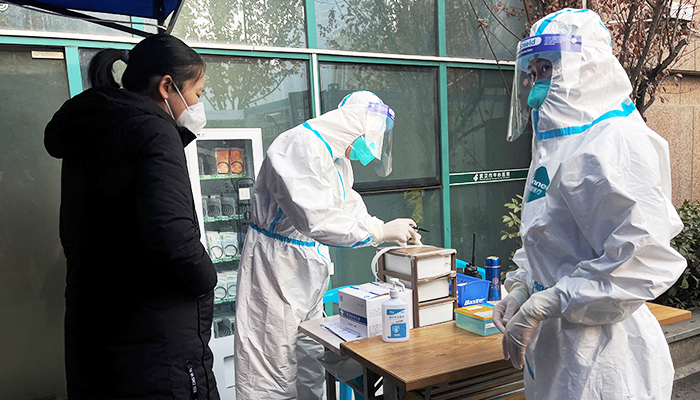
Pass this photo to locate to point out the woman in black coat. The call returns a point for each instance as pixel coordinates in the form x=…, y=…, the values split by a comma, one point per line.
x=139, y=295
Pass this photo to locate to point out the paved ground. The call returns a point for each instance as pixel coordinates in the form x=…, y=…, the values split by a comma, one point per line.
x=687, y=393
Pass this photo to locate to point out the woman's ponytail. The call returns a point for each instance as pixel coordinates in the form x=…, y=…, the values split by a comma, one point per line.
x=151, y=59
x=100, y=69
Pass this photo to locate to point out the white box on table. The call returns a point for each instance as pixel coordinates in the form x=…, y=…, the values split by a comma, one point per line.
x=361, y=307
x=431, y=263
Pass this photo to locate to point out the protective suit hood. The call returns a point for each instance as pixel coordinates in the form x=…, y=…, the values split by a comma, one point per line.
x=340, y=127
x=587, y=90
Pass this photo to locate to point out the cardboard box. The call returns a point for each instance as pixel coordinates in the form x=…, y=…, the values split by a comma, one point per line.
x=361, y=307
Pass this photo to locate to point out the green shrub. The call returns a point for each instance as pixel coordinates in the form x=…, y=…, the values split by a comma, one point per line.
x=512, y=230
x=685, y=293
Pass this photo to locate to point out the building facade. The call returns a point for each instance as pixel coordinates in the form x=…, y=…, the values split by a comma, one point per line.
x=271, y=65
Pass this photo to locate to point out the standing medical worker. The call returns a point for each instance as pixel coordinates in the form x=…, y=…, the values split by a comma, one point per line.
x=304, y=202
x=597, y=219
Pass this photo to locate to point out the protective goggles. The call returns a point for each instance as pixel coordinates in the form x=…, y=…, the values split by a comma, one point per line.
x=541, y=60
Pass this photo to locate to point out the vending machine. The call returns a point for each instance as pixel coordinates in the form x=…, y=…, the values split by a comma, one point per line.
x=223, y=165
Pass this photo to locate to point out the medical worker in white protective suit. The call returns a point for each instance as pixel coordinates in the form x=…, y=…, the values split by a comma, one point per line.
x=304, y=202
x=597, y=219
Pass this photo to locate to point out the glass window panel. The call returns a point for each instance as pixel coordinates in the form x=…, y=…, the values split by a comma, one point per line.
x=18, y=18
x=478, y=110
x=504, y=24
x=352, y=266
x=278, y=23
x=32, y=265
x=85, y=56
x=412, y=93
x=271, y=94
x=478, y=209
x=147, y=24
x=391, y=26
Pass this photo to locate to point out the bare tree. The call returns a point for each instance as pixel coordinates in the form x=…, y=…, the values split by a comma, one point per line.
x=648, y=36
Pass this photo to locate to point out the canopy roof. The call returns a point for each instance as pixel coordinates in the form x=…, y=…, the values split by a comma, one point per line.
x=155, y=9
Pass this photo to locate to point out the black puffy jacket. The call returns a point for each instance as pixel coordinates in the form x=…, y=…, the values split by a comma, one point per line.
x=139, y=295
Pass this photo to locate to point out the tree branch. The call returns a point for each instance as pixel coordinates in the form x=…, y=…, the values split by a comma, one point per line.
x=628, y=31
x=635, y=74
x=499, y=21
x=659, y=70
x=286, y=74
x=481, y=25
x=527, y=13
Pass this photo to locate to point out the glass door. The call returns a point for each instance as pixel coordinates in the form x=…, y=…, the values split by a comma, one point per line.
x=33, y=85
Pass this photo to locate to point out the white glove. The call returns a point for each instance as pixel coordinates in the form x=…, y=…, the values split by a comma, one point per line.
x=519, y=332
x=399, y=230
x=506, y=308
x=522, y=327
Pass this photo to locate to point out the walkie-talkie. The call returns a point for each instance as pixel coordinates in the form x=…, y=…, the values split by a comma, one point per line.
x=472, y=269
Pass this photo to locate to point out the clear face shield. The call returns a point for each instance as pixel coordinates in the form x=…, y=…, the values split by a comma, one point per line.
x=375, y=146
x=539, y=59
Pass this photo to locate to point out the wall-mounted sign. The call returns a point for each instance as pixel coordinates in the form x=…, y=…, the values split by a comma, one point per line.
x=472, y=178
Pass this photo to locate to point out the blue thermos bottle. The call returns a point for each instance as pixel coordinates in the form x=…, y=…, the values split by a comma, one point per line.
x=493, y=275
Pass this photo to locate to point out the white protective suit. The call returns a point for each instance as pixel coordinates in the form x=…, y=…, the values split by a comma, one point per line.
x=303, y=202
x=597, y=219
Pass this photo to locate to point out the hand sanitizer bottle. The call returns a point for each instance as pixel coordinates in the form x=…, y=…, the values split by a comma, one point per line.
x=395, y=315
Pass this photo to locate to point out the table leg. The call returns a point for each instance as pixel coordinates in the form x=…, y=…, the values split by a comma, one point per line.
x=330, y=387
x=367, y=386
x=391, y=391
x=369, y=383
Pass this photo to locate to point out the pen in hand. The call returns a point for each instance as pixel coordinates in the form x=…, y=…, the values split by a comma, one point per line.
x=419, y=229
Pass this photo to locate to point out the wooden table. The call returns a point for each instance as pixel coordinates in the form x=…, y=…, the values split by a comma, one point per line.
x=439, y=361
x=668, y=315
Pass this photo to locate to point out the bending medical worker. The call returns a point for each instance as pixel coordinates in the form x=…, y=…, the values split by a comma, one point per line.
x=597, y=219
x=303, y=202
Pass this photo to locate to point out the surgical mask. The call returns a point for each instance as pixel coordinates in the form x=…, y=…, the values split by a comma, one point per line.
x=538, y=93
x=193, y=117
x=361, y=152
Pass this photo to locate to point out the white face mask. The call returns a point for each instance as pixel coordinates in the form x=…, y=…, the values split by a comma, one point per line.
x=193, y=117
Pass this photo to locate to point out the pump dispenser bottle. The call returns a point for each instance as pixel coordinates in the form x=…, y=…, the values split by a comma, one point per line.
x=395, y=315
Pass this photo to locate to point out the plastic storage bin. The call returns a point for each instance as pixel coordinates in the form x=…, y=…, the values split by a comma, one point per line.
x=471, y=290
x=477, y=318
